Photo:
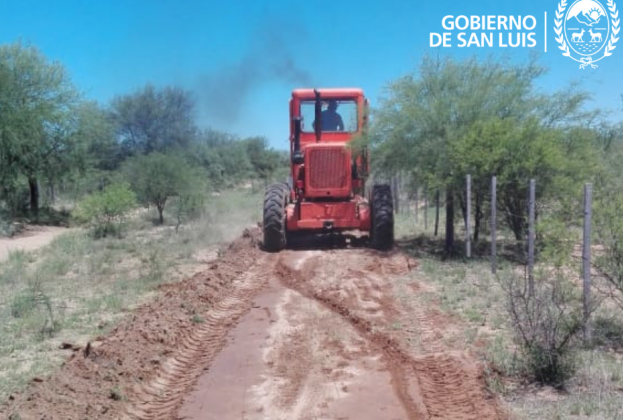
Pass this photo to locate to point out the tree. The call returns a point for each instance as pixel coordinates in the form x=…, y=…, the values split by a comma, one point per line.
x=515, y=151
x=607, y=221
x=228, y=159
x=96, y=153
x=221, y=155
x=37, y=100
x=453, y=117
x=265, y=161
x=154, y=119
x=157, y=177
x=97, y=132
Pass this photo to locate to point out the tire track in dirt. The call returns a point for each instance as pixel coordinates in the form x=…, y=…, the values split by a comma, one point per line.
x=439, y=385
x=333, y=334
x=430, y=325
x=302, y=363
x=154, y=354
x=310, y=280
x=311, y=360
x=452, y=387
x=292, y=357
x=161, y=397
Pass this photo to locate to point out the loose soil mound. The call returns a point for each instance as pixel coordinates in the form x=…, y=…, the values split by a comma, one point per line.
x=327, y=342
x=97, y=381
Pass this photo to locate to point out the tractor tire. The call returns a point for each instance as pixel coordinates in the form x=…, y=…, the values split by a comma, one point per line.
x=275, y=202
x=382, y=229
x=285, y=187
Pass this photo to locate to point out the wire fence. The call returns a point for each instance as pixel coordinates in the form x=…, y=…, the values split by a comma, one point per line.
x=402, y=204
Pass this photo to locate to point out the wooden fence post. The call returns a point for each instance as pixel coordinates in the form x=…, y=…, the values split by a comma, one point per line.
x=396, y=194
x=468, y=205
x=586, y=261
x=531, y=237
x=436, y=212
x=493, y=225
x=425, y=210
x=416, y=205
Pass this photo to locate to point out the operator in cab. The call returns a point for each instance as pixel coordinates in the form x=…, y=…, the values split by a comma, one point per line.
x=331, y=120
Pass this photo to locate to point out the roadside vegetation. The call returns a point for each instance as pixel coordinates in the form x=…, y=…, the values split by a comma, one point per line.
x=591, y=377
x=73, y=290
x=149, y=195
x=58, y=147
x=454, y=118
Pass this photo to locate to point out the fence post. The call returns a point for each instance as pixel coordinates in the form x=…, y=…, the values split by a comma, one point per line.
x=436, y=212
x=586, y=261
x=531, y=235
x=425, y=210
x=396, y=194
x=493, y=225
x=416, y=205
x=468, y=205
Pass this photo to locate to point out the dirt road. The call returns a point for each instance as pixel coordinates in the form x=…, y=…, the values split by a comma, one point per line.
x=32, y=238
x=294, y=335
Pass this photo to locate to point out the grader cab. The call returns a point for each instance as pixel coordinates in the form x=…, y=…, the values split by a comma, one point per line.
x=328, y=188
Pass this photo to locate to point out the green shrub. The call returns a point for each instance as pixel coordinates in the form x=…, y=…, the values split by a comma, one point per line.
x=608, y=332
x=105, y=211
x=609, y=235
x=22, y=305
x=545, y=325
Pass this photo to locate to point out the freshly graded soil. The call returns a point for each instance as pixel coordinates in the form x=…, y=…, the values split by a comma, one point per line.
x=306, y=334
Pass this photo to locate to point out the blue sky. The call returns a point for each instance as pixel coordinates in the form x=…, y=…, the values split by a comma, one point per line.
x=241, y=59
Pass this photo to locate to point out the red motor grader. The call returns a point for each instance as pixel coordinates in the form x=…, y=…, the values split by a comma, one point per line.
x=328, y=177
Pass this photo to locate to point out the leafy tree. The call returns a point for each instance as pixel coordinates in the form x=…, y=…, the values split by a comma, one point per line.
x=515, y=151
x=478, y=117
x=423, y=116
x=221, y=155
x=607, y=202
x=105, y=210
x=227, y=159
x=97, y=132
x=154, y=119
x=37, y=100
x=96, y=153
x=263, y=160
x=156, y=178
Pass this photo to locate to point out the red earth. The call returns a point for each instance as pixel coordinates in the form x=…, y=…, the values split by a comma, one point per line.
x=311, y=334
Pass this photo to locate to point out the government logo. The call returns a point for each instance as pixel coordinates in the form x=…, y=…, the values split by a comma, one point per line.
x=586, y=30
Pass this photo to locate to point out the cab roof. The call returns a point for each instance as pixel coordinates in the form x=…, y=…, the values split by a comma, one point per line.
x=327, y=93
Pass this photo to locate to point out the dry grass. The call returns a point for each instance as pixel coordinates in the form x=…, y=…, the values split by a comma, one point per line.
x=77, y=287
x=467, y=289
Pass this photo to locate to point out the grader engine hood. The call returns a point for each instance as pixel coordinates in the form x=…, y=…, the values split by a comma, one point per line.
x=327, y=170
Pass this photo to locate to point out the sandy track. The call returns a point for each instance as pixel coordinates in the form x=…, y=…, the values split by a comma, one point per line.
x=295, y=335
x=34, y=237
x=435, y=385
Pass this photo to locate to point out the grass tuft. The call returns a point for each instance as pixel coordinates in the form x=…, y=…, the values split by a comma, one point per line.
x=78, y=286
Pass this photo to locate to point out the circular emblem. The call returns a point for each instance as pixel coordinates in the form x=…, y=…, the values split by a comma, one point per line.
x=587, y=31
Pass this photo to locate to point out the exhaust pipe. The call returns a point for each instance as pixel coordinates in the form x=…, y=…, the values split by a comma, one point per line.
x=318, y=116
x=297, y=157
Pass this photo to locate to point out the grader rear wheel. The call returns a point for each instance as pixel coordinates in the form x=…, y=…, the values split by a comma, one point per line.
x=382, y=229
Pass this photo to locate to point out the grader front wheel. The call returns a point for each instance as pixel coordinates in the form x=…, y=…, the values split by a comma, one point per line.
x=275, y=202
